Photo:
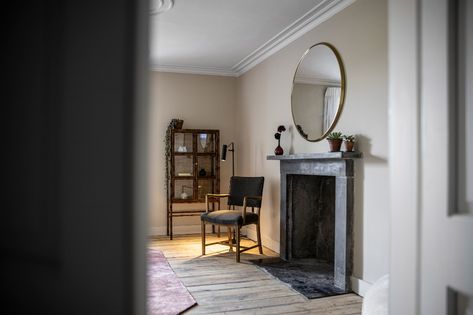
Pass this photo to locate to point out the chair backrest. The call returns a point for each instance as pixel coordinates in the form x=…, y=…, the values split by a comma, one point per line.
x=245, y=186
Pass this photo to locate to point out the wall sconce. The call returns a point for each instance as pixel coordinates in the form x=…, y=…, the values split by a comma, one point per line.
x=224, y=154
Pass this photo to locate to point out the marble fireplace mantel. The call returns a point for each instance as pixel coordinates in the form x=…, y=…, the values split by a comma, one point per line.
x=341, y=166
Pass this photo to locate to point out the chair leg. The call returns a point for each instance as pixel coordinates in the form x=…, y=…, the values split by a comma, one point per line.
x=218, y=231
x=258, y=235
x=203, y=236
x=230, y=244
x=237, y=232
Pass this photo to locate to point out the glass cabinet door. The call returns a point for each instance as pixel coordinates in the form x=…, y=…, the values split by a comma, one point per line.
x=183, y=142
x=205, y=143
x=194, y=164
x=184, y=189
x=183, y=165
x=205, y=166
x=204, y=186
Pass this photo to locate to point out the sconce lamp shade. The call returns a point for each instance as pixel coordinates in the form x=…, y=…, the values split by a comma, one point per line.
x=224, y=152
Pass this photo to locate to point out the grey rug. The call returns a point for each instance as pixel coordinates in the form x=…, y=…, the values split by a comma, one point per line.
x=309, y=277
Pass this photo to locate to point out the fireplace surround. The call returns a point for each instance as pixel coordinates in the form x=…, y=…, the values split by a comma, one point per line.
x=316, y=211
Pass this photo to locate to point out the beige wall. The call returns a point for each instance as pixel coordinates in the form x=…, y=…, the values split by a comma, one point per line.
x=202, y=102
x=264, y=93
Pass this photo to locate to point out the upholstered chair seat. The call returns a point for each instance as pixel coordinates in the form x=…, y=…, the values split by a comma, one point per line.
x=229, y=217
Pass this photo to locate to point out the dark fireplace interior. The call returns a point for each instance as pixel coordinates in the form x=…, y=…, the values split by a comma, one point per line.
x=311, y=202
x=310, y=228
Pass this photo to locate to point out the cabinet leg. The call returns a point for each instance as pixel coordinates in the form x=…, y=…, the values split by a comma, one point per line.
x=167, y=224
x=170, y=227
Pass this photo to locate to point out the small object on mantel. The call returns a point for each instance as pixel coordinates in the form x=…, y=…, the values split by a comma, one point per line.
x=349, y=141
x=279, y=150
x=335, y=139
x=313, y=156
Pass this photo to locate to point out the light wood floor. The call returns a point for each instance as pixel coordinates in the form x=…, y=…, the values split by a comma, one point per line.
x=222, y=286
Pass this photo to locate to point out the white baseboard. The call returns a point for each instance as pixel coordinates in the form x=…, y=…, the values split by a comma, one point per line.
x=176, y=230
x=267, y=242
x=359, y=286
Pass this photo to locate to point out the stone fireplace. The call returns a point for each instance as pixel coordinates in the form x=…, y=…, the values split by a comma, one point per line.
x=317, y=213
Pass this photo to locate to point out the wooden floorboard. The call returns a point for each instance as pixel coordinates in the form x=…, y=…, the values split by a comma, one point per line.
x=222, y=286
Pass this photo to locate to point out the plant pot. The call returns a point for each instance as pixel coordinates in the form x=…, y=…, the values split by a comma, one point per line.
x=349, y=146
x=179, y=124
x=335, y=145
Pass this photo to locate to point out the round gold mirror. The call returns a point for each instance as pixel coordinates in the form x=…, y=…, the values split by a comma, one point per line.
x=318, y=92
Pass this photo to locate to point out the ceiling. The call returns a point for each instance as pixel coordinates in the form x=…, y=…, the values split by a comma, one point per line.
x=228, y=37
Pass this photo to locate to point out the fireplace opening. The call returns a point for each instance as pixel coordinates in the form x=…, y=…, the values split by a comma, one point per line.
x=311, y=210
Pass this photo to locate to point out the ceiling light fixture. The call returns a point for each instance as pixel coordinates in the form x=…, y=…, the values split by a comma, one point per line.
x=160, y=6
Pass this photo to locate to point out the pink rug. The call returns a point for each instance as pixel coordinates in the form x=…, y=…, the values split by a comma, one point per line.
x=166, y=293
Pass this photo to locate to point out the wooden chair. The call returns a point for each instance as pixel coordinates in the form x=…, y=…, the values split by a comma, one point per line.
x=245, y=192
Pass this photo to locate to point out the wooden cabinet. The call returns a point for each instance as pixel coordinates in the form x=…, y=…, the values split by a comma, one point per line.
x=194, y=167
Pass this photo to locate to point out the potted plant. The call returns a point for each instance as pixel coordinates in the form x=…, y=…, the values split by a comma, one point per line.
x=279, y=150
x=335, y=139
x=349, y=141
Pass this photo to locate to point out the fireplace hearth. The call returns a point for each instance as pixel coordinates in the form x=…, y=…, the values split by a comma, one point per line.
x=316, y=241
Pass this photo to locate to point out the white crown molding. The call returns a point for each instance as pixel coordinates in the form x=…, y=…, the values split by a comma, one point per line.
x=320, y=13
x=194, y=70
x=317, y=15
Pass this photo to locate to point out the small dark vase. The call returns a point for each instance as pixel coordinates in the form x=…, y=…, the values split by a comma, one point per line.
x=202, y=172
x=278, y=150
x=334, y=144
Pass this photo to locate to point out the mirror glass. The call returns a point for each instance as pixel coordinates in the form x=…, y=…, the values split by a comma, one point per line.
x=318, y=92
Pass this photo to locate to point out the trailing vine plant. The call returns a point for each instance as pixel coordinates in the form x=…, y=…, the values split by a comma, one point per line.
x=173, y=124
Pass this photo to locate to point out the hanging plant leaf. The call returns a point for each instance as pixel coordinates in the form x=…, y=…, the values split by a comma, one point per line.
x=173, y=124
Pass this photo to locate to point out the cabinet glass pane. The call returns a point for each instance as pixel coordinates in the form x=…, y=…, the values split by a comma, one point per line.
x=205, y=166
x=183, y=189
x=182, y=142
x=183, y=165
x=205, y=142
x=204, y=187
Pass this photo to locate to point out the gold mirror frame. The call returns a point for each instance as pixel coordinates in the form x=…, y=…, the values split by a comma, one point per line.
x=342, y=93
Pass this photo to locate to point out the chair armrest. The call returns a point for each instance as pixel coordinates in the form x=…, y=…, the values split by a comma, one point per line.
x=213, y=196
x=244, y=204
